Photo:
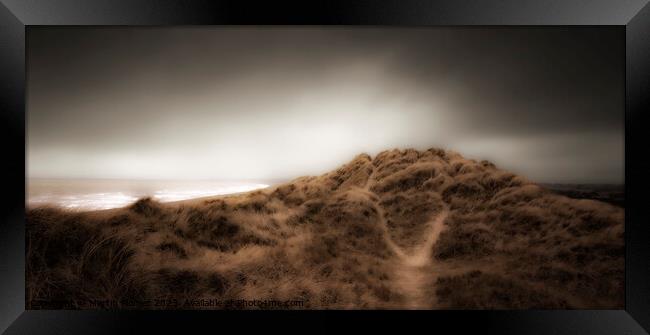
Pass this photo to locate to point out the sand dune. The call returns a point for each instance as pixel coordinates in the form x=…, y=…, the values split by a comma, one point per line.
x=405, y=229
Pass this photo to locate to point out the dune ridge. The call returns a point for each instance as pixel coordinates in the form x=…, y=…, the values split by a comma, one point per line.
x=404, y=229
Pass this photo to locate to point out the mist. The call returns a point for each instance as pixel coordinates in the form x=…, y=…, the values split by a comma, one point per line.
x=278, y=103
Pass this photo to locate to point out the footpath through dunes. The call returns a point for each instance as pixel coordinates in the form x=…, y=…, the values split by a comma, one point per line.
x=405, y=229
x=413, y=272
x=411, y=269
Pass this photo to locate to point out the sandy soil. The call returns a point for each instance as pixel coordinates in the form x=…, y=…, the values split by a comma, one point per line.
x=413, y=271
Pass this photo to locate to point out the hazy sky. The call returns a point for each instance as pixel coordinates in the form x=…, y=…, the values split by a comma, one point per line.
x=258, y=103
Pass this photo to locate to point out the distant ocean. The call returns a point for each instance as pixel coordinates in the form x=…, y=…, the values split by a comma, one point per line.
x=94, y=194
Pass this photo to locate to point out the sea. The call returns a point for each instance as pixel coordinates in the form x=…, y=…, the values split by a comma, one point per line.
x=97, y=194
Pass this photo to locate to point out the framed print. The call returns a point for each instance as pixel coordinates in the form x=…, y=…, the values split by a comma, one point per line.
x=476, y=165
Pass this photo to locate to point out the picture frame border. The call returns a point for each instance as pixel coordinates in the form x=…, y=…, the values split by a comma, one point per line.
x=632, y=16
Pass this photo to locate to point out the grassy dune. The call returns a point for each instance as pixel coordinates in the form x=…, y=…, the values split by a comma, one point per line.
x=405, y=229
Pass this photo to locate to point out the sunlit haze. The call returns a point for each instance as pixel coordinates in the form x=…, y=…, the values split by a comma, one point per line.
x=278, y=103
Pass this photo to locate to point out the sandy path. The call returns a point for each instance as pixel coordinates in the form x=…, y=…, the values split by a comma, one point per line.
x=422, y=255
x=414, y=272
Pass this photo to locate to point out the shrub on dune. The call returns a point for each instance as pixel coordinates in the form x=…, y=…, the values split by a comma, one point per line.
x=147, y=207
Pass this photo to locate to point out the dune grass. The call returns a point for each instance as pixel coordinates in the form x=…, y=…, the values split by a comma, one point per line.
x=334, y=241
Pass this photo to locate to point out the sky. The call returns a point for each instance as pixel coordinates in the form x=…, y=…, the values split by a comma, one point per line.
x=242, y=103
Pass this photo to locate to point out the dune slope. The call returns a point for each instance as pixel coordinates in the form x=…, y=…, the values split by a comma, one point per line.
x=405, y=229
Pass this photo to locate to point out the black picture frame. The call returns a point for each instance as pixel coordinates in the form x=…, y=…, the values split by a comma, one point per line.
x=17, y=16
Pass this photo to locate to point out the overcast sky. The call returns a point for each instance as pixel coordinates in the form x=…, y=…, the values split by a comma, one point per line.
x=262, y=103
